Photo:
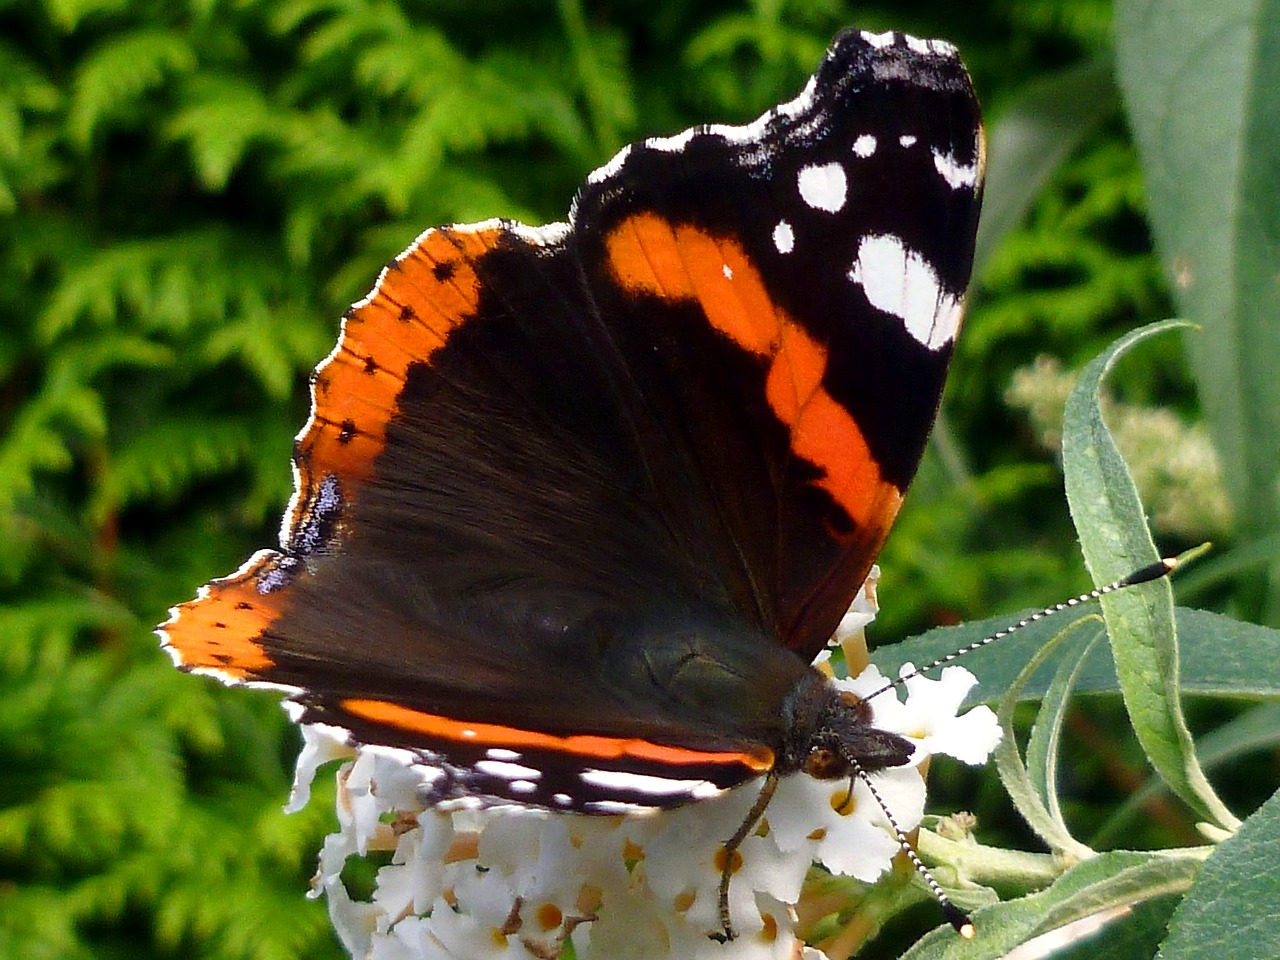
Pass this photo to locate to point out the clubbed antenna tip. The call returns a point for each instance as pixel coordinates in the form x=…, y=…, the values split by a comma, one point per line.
x=960, y=920
x=1154, y=571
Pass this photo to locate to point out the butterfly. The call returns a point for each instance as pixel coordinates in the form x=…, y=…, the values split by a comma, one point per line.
x=577, y=505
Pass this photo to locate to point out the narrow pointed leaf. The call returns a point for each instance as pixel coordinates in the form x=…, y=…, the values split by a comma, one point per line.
x=1046, y=733
x=1026, y=788
x=1115, y=540
x=1108, y=881
x=1219, y=656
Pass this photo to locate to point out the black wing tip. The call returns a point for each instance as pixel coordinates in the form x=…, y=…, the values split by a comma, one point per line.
x=898, y=58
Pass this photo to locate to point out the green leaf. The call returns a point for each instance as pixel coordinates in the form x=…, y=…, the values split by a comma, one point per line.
x=1030, y=140
x=1201, y=82
x=1135, y=932
x=1046, y=732
x=1089, y=889
x=117, y=74
x=1115, y=540
x=273, y=342
x=1028, y=789
x=1100, y=492
x=1230, y=911
x=67, y=14
x=163, y=460
x=745, y=59
x=1256, y=729
x=600, y=59
x=1219, y=656
x=223, y=117
x=38, y=438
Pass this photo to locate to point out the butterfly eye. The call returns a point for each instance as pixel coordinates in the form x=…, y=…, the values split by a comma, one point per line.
x=857, y=705
x=824, y=763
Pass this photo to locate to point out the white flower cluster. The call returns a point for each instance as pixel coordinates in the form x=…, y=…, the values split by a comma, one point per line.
x=517, y=883
x=1174, y=464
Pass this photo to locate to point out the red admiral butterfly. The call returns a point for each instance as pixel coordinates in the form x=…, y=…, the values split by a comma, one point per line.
x=588, y=498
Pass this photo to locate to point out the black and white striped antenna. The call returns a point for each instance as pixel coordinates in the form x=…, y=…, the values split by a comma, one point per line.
x=955, y=916
x=1153, y=571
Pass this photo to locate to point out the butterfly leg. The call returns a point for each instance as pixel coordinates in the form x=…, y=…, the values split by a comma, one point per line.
x=730, y=849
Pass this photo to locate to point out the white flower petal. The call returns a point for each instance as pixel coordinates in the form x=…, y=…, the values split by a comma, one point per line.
x=969, y=738
x=320, y=744
x=861, y=845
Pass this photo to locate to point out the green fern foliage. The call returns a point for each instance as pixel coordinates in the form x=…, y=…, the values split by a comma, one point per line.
x=191, y=193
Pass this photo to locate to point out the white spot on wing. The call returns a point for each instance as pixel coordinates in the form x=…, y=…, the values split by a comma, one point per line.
x=907, y=140
x=561, y=799
x=508, y=771
x=784, y=238
x=497, y=753
x=878, y=40
x=956, y=174
x=522, y=786
x=900, y=281
x=728, y=272
x=617, y=807
x=641, y=783
x=823, y=186
x=918, y=45
x=864, y=146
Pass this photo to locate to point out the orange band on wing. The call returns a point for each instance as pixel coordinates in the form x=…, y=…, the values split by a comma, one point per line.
x=493, y=735
x=650, y=255
x=422, y=296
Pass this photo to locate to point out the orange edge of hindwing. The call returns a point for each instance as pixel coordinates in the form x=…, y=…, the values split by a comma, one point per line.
x=220, y=631
x=650, y=255
x=496, y=735
x=428, y=291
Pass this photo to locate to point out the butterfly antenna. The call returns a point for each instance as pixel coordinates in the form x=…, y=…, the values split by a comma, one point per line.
x=1153, y=571
x=955, y=916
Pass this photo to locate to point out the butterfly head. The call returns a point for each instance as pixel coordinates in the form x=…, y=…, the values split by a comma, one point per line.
x=831, y=734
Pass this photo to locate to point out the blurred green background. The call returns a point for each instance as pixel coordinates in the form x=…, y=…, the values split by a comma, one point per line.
x=192, y=193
